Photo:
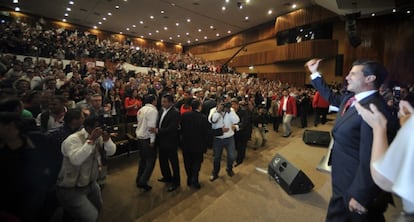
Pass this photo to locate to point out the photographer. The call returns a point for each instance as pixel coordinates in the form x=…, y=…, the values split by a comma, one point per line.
x=223, y=116
x=78, y=191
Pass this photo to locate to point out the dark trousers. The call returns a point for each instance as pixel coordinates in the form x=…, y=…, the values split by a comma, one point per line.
x=192, y=164
x=276, y=120
x=131, y=119
x=320, y=115
x=338, y=211
x=304, y=117
x=167, y=156
x=241, y=144
x=148, y=155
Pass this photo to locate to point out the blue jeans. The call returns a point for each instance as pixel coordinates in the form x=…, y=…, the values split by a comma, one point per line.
x=218, y=145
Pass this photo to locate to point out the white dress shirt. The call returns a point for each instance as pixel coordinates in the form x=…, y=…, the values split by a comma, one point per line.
x=226, y=120
x=164, y=112
x=147, y=118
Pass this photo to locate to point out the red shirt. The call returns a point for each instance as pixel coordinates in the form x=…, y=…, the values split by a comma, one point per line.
x=129, y=102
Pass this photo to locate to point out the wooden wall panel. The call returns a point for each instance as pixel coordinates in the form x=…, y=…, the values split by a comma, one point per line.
x=304, y=16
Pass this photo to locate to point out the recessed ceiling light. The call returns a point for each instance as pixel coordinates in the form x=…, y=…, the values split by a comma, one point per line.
x=205, y=37
x=270, y=12
x=95, y=27
x=373, y=14
x=187, y=33
x=104, y=18
x=188, y=20
x=408, y=11
x=121, y=33
x=100, y=23
x=116, y=6
x=15, y=1
x=142, y=36
x=246, y=18
x=178, y=36
x=177, y=24
x=162, y=11
x=165, y=28
x=211, y=27
x=17, y=9
x=294, y=6
x=63, y=20
x=199, y=30
x=229, y=32
x=68, y=9
x=150, y=33
x=133, y=26
x=71, y=3
x=157, y=31
x=125, y=0
x=109, y=13
x=218, y=34
x=227, y=1
x=196, y=40
x=66, y=14
x=247, y=1
x=162, y=40
x=151, y=17
x=170, y=38
x=141, y=22
x=223, y=8
x=189, y=41
x=394, y=10
x=127, y=29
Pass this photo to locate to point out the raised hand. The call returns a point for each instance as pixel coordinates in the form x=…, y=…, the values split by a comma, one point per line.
x=313, y=65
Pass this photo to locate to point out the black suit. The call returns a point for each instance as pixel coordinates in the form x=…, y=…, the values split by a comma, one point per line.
x=194, y=140
x=350, y=158
x=242, y=136
x=167, y=142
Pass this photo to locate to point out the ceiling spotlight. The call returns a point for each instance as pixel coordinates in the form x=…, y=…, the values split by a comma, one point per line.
x=95, y=27
x=121, y=33
x=141, y=22
x=178, y=36
x=246, y=18
x=170, y=38
x=211, y=27
x=239, y=5
x=294, y=6
x=116, y=6
x=15, y=1
x=227, y=1
x=127, y=29
x=270, y=12
x=196, y=40
x=218, y=34
x=165, y=28
x=63, y=20
x=187, y=33
x=151, y=17
x=133, y=26
x=100, y=23
x=150, y=33
x=104, y=18
x=68, y=9
x=162, y=12
x=373, y=14
x=188, y=20
x=109, y=13
x=247, y=1
x=199, y=30
x=394, y=10
x=157, y=31
x=205, y=37
x=125, y=0
x=188, y=41
x=229, y=32
x=66, y=14
x=142, y=36
x=177, y=24
x=71, y=3
x=162, y=40
x=223, y=8
x=17, y=9
x=408, y=11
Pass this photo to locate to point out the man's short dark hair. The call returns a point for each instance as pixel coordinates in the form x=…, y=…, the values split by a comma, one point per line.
x=195, y=104
x=60, y=98
x=169, y=97
x=72, y=114
x=91, y=121
x=373, y=68
x=149, y=98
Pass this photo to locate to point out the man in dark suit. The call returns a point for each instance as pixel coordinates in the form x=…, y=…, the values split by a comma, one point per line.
x=194, y=141
x=355, y=196
x=167, y=141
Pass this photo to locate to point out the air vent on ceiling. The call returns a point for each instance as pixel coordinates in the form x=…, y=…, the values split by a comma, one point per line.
x=97, y=13
x=84, y=10
x=166, y=17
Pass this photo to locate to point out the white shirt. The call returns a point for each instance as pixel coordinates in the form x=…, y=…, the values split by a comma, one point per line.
x=164, y=112
x=226, y=120
x=285, y=100
x=397, y=165
x=77, y=152
x=147, y=118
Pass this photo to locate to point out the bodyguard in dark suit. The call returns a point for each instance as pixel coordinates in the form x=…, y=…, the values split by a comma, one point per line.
x=167, y=141
x=355, y=196
x=241, y=136
x=194, y=141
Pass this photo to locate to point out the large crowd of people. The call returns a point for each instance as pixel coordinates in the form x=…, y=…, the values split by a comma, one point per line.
x=53, y=144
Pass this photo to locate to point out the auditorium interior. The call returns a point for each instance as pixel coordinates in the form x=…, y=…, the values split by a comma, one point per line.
x=266, y=42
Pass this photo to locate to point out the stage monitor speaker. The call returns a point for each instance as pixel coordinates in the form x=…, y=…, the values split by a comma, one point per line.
x=290, y=178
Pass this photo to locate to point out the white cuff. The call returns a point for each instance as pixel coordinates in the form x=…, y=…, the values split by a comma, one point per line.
x=315, y=75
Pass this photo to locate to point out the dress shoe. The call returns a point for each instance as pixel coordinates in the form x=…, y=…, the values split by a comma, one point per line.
x=196, y=185
x=165, y=180
x=172, y=187
x=145, y=187
x=230, y=172
x=213, y=177
x=237, y=164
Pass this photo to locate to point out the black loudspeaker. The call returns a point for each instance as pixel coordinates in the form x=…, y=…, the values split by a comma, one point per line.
x=290, y=178
x=339, y=64
x=351, y=29
x=316, y=137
